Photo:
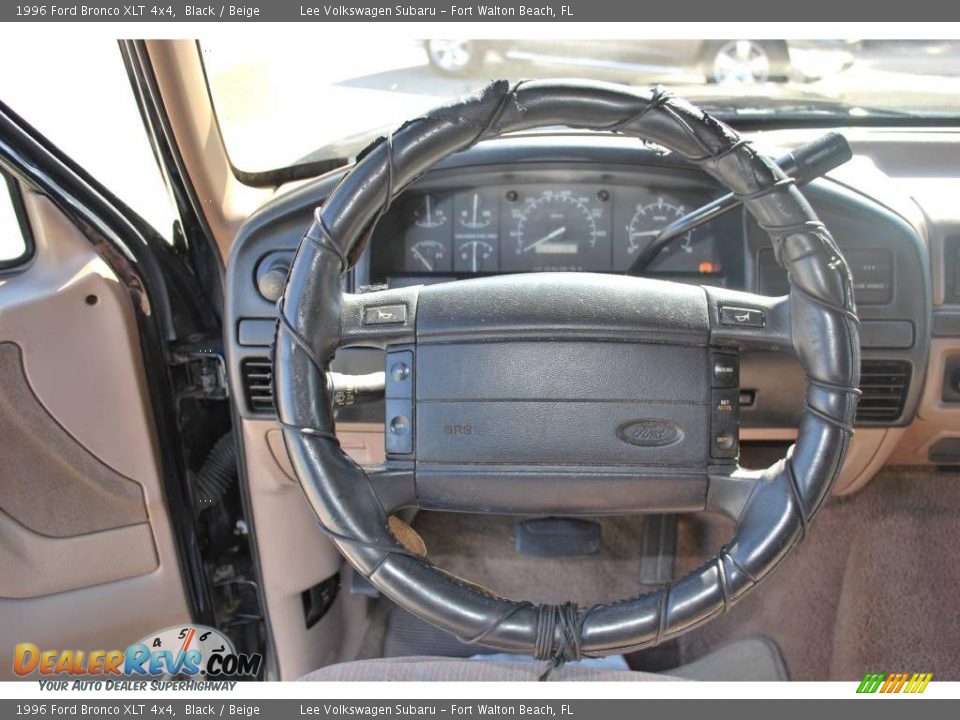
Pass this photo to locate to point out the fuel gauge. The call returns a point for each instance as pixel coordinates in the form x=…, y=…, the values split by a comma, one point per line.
x=475, y=256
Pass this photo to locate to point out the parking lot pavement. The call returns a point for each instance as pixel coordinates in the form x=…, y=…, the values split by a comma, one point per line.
x=926, y=57
x=918, y=76
x=339, y=92
x=291, y=99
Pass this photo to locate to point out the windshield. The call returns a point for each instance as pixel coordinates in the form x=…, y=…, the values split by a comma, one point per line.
x=283, y=104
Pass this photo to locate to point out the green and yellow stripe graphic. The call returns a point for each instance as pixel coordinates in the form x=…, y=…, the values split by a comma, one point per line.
x=894, y=682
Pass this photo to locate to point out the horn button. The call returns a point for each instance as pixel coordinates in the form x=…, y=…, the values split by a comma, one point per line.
x=535, y=400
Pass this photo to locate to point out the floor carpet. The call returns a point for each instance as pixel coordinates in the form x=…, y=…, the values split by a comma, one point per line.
x=875, y=587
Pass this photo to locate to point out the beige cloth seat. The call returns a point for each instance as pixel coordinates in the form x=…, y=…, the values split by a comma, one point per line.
x=751, y=659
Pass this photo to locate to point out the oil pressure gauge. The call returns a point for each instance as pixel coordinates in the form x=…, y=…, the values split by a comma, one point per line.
x=476, y=231
x=428, y=213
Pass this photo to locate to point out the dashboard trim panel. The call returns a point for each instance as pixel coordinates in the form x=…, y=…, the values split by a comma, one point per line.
x=856, y=220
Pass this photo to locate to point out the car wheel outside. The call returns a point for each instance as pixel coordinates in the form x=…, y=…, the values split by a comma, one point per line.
x=746, y=62
x=455, y=57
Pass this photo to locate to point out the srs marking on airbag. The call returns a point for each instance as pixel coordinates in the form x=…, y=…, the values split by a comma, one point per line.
x=650, y=433
x=464, y=429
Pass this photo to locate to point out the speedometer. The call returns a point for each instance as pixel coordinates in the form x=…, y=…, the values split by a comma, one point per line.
x=557, y=230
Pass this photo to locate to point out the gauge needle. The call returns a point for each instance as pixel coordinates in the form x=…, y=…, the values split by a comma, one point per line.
x=546, y=238
x=476, y=200
x=186, y=644
x=474, y=263
x=417, y=254
x=645, y=233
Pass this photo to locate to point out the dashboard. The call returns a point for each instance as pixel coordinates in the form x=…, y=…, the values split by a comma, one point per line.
x=592, y=204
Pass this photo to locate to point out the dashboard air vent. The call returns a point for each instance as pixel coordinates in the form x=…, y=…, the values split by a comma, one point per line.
x=884, y=384
x=258, y=384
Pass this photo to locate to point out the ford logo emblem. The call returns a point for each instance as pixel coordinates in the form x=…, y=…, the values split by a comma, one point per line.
x=650, y=433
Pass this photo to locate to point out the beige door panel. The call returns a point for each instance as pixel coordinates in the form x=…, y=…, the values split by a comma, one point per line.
x=102, y=617
x=82, y=498
x=33, y=565
x=50, y=483
x=82, y=360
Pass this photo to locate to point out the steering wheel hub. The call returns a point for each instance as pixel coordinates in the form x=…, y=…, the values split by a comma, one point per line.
x=563, y=394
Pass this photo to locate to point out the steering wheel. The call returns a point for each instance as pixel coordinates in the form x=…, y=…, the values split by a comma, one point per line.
x=565, y=394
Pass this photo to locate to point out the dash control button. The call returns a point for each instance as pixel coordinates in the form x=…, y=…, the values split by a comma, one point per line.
x=741, y=316
x=385, y=315
x=725, y=371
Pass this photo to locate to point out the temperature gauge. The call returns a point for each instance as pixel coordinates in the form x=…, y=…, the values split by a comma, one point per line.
x=428, y=255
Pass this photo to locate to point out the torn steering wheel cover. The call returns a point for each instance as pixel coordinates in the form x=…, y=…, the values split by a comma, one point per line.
x=781, y=503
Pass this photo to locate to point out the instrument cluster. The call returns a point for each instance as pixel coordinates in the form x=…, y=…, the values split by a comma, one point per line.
x=555, y=227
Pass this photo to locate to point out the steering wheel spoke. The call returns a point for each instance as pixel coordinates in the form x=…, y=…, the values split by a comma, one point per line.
x=730, y=489
x=393, y=483
x=749, y=321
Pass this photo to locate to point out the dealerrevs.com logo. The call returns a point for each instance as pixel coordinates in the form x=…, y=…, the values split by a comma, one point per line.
x=188, y=652
x=911, y=683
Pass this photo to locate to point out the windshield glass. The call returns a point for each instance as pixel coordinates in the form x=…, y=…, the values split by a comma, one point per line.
x=282, y=103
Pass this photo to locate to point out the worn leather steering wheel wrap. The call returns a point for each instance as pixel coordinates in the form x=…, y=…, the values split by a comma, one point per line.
x=587, y=328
